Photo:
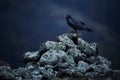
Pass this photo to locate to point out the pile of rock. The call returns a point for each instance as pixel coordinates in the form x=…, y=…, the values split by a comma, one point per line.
x=69, y=58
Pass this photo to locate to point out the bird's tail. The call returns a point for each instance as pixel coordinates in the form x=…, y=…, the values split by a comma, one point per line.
x=89, y=30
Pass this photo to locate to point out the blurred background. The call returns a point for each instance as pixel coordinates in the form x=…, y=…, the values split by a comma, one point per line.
x=25, y=24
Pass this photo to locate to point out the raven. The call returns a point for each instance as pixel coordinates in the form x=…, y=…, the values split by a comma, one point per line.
x=76, y=25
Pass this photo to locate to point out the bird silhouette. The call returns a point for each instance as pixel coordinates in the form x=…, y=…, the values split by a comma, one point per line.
x=76, y=25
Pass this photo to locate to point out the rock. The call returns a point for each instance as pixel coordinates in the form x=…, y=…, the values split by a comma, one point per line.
x=37, y=77
x=71, y=58
x=83, y=66
x=28, y=73
x=52, y=57
x=101, y=64
x=30, y=66
x=96, y=68
x=103, y=61
x=19, y=78
x=61, y=65
x=91, y=59
x=105, y=68
x=88, y=48
x=6, y=73
x=78, y=74
x=74, y=52
x=48, y=72
x=66, y=72
x=49, y=66
x=66, y=40
x=91, y=74
x=36, y=74
x=31, y=56
x=100, y=68
x=49, y=57
x=60, y=54
x=55, y=45
x=20, y=72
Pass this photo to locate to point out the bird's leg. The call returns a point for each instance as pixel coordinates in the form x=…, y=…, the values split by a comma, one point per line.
x=79, y=34
x=75, y=37
x=76, y=31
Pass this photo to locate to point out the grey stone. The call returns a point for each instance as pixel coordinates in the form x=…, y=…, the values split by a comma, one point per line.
x=23, y=73
x=6, y=73
x=83, y=56
x=83, y=66
x=100, y=68
x=66, y=40
x=65, y=61
x=74, y=52
x=69, y=72
x=49, y=57
x=30, y=66
x=35, y=71
x=96, y=68
x=60, y=53
x=48, y=72
x=89, y=48
x=36, y=74
x=105, y=68
x=78, y=74
x=70, y=58
x=20, y=71
x=103, y=61
x=91, y=59
x=49, y=66
x=19, y=78
x=31, y=56
x=91, y=74
x=101, y=64
x=52, y=57
x=37, y=77
x=55, y=45
x=55, y=56
x=62, y=65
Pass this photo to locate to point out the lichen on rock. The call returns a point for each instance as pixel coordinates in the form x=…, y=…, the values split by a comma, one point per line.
x=69, y=58
x=55, y=45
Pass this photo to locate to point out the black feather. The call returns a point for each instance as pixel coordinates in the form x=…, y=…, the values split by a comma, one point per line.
x=76, y=25
x=82, y=23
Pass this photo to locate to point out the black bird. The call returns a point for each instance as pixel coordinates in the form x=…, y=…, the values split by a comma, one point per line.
x=76, y=25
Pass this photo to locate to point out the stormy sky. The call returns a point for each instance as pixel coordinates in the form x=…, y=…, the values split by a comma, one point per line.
x=25, y=24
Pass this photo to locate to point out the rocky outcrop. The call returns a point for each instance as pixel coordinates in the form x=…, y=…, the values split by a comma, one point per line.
x=71, y=58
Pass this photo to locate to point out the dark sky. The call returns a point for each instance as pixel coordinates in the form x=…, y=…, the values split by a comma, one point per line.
x=25, y=24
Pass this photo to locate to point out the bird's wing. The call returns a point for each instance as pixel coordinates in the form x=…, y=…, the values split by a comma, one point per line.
x=84, y=27
x=82, y=23
x=74, y=22
x=89, y=30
